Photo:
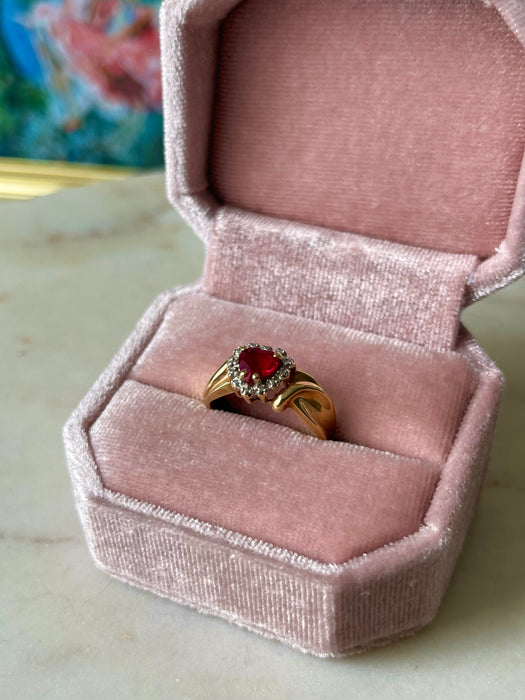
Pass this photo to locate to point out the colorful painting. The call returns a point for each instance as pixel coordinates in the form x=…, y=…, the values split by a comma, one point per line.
x=80, y=81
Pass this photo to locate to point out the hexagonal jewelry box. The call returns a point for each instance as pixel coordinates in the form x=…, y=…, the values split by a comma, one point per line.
x=355, y=170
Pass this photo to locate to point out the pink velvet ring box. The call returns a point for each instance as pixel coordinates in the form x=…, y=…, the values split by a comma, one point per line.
x=355, y=169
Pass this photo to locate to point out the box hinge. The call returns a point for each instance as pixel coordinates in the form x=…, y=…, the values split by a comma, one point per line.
x=400, y=291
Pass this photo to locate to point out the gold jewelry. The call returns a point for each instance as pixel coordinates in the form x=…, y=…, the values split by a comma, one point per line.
x=258, y=372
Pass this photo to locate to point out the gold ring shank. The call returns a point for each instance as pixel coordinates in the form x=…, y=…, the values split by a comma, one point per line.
x=302, y=394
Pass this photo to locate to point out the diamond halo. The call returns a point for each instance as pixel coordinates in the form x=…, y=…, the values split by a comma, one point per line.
x=254, y=387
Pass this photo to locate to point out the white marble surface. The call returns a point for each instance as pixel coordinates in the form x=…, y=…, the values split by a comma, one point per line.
x=76, y=271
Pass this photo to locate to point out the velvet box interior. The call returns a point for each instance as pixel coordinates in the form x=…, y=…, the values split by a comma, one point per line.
x=355, y=168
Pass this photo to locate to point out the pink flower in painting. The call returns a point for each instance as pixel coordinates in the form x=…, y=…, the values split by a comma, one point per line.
x=112, y=45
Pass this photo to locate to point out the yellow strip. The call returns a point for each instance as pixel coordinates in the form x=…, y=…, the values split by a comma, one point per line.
x=23, y=179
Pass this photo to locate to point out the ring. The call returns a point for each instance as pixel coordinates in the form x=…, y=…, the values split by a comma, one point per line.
x=256, y=372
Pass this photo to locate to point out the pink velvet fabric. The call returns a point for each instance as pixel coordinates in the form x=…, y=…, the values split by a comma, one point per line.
x=325, y=500
x=325, y=275
x=190, y=37
x=324, y=609
x=388, y=395
x=125, y=430
x=373, y=117
x=329, y=501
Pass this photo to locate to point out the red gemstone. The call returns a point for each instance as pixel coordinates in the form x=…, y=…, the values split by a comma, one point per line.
x=257, y=361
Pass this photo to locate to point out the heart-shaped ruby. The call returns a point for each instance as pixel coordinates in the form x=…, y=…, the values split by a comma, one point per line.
x=258, y=361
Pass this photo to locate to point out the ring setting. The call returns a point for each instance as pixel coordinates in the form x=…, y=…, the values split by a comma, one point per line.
x=256, y=371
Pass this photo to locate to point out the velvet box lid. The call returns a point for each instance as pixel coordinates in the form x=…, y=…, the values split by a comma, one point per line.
x=397, y=120
x=355, y=169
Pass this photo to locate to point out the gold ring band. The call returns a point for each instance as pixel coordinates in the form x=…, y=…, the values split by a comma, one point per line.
x=259, y=373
